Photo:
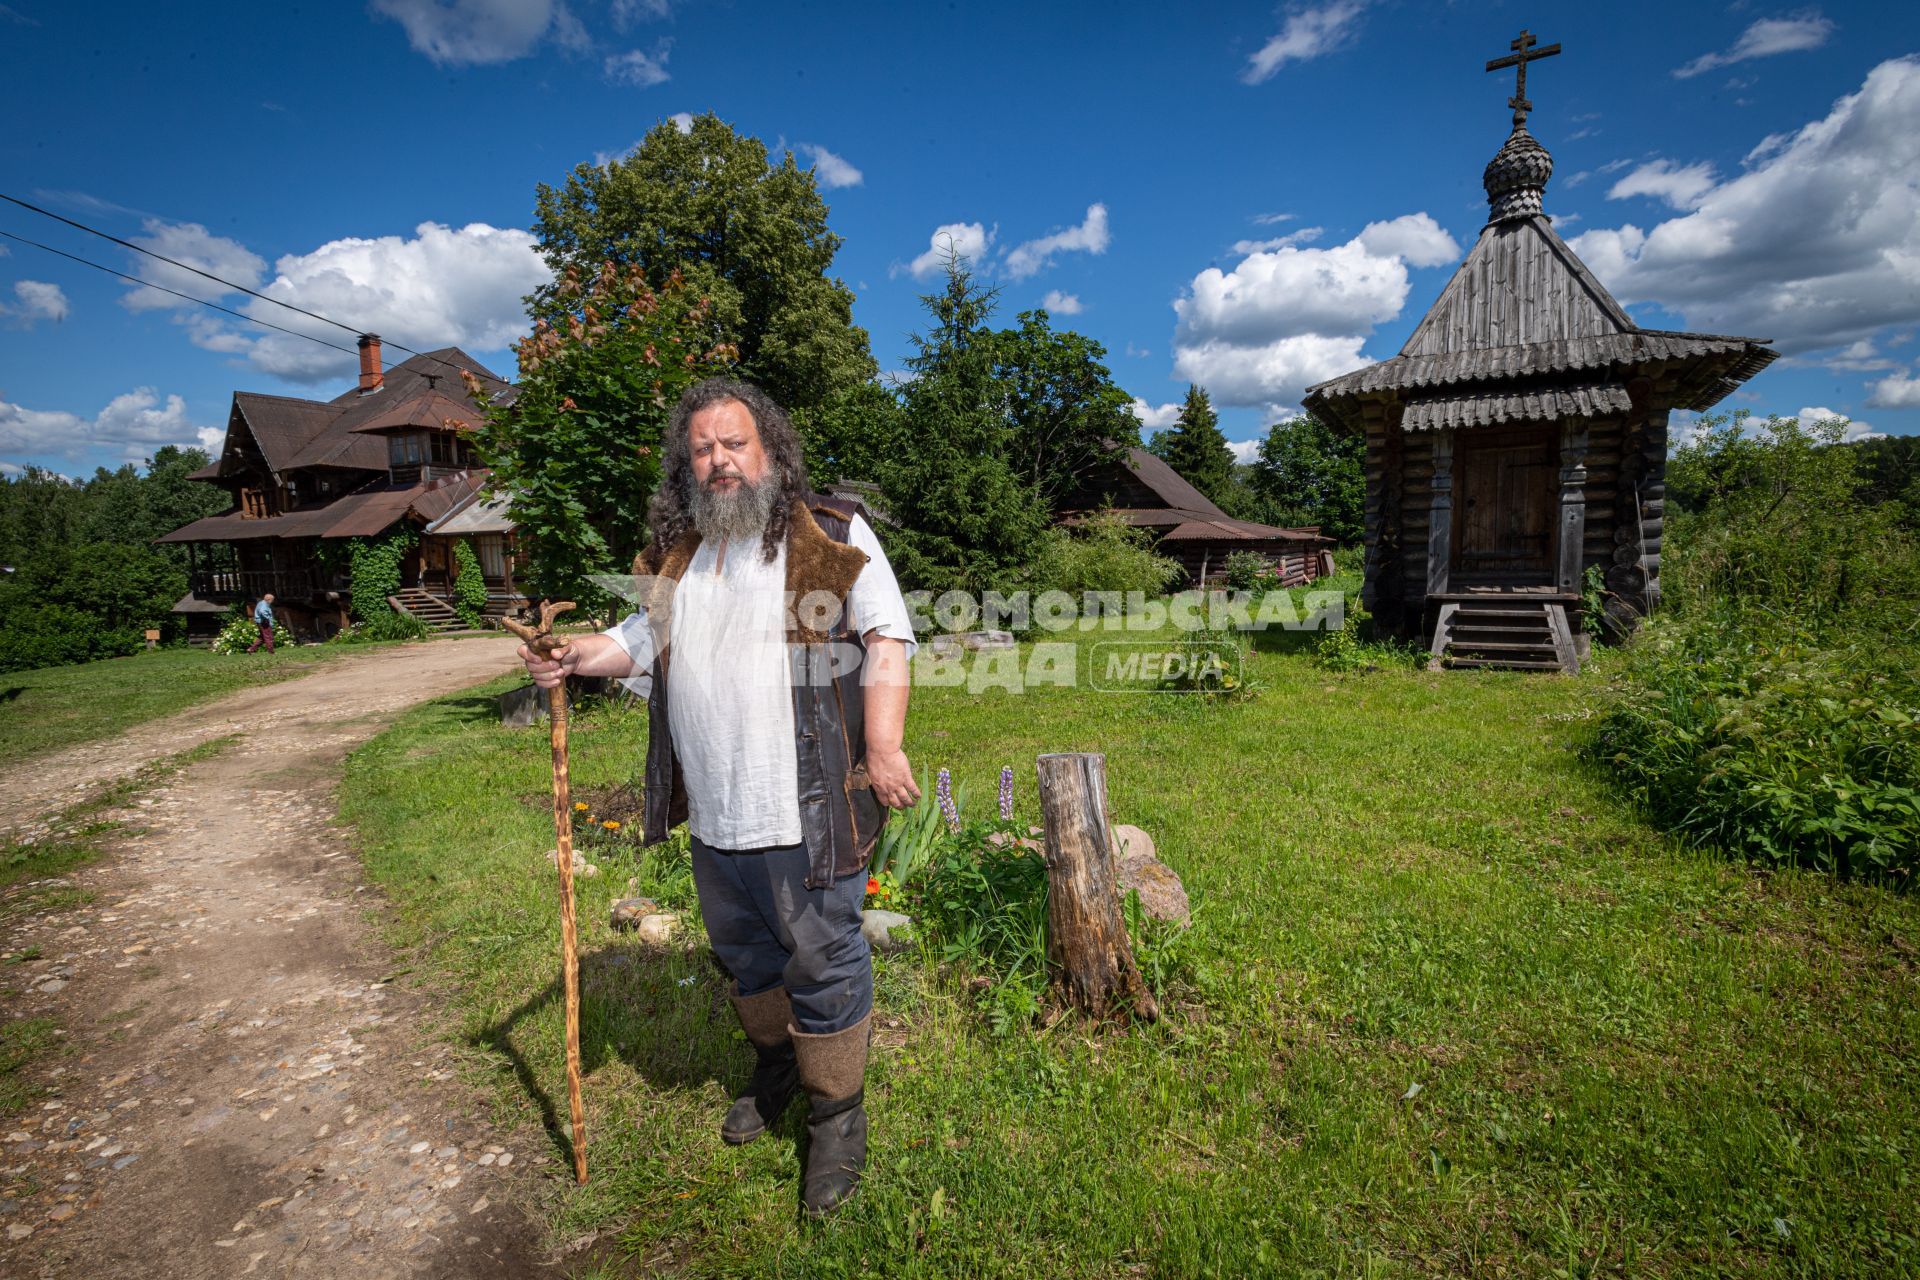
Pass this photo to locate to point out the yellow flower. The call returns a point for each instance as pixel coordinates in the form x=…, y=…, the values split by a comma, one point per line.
x=579, y=807
x=611, y=825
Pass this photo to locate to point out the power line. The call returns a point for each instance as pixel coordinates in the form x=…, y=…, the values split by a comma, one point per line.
x=238, y=315
x=237, y=288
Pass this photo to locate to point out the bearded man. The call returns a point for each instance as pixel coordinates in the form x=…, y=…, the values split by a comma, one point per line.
x=773, y=644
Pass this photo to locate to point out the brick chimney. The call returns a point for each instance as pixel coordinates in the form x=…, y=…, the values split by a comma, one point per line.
x=370, y=376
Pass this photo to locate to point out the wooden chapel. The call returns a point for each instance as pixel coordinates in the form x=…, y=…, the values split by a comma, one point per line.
x=1519, y=439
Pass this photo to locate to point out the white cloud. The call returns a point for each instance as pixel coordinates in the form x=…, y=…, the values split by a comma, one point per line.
x=1138, y=353
x=1858, y=357
x=443, y=287
x=1065, y=304
x=682, y=120
x=1268, y=219
x=1245, y=452
x=39, y=300
x=968, y=240
x=1895, y=391
x=638, y=68
x=1816, y=244
x=1820, y=413
x=129, y=428
x=626, y=12
x=12, y=469
x=1091, y=236
x=1155, y=419
x=1414, y=237
x=1286, y=318
x=193, y=244
x=482, y=32
x=1680, y=187
x=1308, y=33
x=829, y=169
x=1764, y=39
x=1304, y=235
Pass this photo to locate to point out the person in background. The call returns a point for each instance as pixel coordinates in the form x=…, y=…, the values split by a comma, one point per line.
x=263, y=619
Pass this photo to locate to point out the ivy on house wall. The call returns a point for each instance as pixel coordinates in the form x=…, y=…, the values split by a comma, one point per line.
x=376, y=571
x=469, y=586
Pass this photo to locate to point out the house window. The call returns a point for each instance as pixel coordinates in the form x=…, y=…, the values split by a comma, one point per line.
x=492, y=549
x=406, y=450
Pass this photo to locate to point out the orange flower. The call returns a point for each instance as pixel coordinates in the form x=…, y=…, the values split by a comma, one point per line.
x=873, y=885
x=611, y=825
x=578, y=807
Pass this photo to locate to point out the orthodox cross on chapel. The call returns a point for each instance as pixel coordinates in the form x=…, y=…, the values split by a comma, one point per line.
x=1516, y=448
x=1523, y=53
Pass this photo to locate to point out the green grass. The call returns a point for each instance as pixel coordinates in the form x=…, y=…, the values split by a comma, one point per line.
x=1630, y=1059
x=43, y=711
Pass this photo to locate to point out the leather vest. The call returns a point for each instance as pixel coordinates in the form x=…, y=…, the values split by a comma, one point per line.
x=840, y=819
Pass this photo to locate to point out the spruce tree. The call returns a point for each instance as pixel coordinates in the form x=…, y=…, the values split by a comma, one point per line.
x=1196, y=449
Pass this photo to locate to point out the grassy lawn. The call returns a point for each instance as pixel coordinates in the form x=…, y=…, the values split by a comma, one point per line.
x=45, y=710
x=1448, y=1009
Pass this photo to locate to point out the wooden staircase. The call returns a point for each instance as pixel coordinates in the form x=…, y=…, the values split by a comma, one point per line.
x=436, y=613
x=1509, y=631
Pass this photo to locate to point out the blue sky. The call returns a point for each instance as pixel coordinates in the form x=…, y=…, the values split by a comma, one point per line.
x=1247, y=196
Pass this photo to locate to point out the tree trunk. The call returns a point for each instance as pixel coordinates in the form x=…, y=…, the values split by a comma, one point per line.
x=1087, y=943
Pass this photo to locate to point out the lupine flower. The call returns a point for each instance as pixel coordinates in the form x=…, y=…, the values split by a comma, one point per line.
x=944, y=791
x=1006, y=793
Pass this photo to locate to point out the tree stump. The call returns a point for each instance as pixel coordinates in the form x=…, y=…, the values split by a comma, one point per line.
x=1087, y=944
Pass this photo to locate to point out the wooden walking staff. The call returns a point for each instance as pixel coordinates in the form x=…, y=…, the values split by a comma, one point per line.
x=542, y=641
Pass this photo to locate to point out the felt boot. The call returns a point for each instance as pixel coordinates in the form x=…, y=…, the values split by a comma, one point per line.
x=833, y=1071
x=764, y=1018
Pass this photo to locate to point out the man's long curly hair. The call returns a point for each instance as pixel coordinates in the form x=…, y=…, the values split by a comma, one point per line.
x=671, y=514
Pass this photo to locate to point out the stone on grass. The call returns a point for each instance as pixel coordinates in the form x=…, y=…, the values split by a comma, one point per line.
x=629, y=912
x=886, y=930
x=658, y=929
x=581, y=867
x=1162, y=896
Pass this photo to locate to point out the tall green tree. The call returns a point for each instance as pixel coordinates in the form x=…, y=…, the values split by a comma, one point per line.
x=998, y=427
x=577, y=448
x=748, y=234
x=1195, y=447
x=1310, y=474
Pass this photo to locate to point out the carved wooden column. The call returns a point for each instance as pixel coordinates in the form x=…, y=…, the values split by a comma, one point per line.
x=1440, y=516
x=1573, y=505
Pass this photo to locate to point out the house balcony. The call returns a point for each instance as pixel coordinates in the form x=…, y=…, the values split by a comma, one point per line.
x=250, y=584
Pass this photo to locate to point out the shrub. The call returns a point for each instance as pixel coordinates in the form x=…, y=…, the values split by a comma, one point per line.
x=469, y=585
x=1250, y=571
x=56, y=635
x=1105, y=554
x=237, y=633
x=390, y=624
x=1775, y=750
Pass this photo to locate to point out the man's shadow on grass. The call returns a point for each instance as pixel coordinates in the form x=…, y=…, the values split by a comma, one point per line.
x=663, y=1010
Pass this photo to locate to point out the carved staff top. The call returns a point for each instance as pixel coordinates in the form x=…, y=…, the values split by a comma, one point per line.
x=540, y=638
x=1523, y=53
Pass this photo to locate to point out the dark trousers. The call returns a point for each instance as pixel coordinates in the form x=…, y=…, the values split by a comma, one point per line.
x=266, y=637
x=770, y=930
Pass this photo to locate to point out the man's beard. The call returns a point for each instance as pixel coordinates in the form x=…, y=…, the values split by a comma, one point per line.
x=738, y=514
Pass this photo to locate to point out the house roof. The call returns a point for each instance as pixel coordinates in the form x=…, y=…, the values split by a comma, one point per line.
x=1483, y=408
x=1523, y=314
x=1158, y=497
x=360, y=514
x=479, y=512
x=292, y=433
x=431, y=409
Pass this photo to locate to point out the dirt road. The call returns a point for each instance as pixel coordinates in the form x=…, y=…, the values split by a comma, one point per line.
x=246, y=1091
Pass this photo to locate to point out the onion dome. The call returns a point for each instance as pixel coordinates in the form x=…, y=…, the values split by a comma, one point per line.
x=1516, y=177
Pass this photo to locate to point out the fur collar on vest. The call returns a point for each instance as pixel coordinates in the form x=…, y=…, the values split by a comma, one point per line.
x=815, y=563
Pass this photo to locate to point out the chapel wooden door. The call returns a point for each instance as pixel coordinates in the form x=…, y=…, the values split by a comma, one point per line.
x=1505, y=493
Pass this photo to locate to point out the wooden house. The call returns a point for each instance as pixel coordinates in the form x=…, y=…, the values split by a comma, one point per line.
x=1519, y=440
x=1190, y=527
x=306, y=476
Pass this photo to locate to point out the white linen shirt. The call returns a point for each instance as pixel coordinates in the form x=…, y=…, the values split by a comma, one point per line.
x=732, y=707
